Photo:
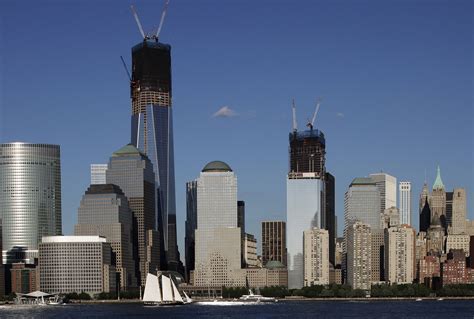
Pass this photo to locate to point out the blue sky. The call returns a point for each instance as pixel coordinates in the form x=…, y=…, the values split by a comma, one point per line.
x=396, y=79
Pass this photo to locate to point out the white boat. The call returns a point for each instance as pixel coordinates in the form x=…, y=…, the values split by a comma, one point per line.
x=159, y=295
x=257, y=298
x=419, y=299
x=440, y=299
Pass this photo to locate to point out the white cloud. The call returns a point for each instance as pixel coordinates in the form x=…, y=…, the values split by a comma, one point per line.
x=225, y=111
x=339, y=114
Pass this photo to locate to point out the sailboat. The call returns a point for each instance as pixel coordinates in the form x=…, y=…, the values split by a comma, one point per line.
x=167, y=294
x=187, y=299
x=152, y=295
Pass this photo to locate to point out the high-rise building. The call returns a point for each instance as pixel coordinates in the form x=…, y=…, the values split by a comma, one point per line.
x=405, y=202
x=438, y=200
x=104, y=211
x=24, y=278
x=273, y=242
x=98, y=174
x=362, y=203
x=459, y=242
x=329, y=221
x=76, y=263
x=425, y=216
x=152, y=131
x=2, y=268
x=250, y=250
x=454, y=270
x=30, y=198
x=316, y=257
x=132, y=171
x=449, y=210
x=218, y=239
x=191, y=225
x=390, y=218
x=377, y=255
x=307, y=152
x=458, y=220
x=435, y=237
x=359, y=252
x=424, y=197
x=241, y=225
x=387, y=186
x=400, y=254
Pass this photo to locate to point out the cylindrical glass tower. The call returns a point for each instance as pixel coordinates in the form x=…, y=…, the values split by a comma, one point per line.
x=30, y=198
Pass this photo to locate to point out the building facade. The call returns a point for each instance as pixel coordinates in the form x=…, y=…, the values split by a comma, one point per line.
x=438, y=200
x=152, y=132
x=316, y=257
x=404, y=189
x=104, y=211
x=387, y=186
x=458, y=242
x=458, y=218
x=98, y=174
x=132, y=171
x=218, y=239
x=250, y=250
x=400, y=255
x=24, y=278
x=362, y=203
x=190, y=226
x=359, y=254
x=75, y=264
x=274, y=242
x=30, y=198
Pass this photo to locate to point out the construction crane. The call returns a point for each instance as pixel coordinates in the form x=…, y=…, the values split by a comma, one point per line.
x=293, y=107
x=311, y=123
x=163, y=15
x=139, y=24
x=154, y=36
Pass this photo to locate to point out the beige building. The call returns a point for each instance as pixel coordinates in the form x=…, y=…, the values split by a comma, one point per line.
x=250, y=250
x=390, y=218
x=458, y=242
x=75, y=264
x=316, y=257
x=400, y=255
x=458, y=218
x=275, y=274
x=359, y=253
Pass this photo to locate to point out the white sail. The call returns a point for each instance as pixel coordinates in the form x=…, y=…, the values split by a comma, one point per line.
x=186, y=297
x=167, y=290
x=177, y=296
x=152, y=289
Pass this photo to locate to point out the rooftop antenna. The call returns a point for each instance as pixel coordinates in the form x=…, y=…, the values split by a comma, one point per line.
x=311, y=123
x=293, y=108
x=162, y=20
x=135, y=15
x=126, y=68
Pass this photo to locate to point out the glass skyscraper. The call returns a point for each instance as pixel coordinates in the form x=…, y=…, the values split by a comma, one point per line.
x=152, y=133
x=30, y=198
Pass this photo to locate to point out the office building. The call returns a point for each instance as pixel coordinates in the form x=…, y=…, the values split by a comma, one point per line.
x=362, y=203
x=98, y=174
x=435, y=237
x=241, y=225
x=387, y=186
x=454, y=270
x=428, y=268
x=404, y=189
x=132, y=171
x=104, y=211
x=152, y=132
x=250, y=251
x=218, y=239
x=438, y=200
x=425, y=216
x=390, y=218
x=190, y=226
x=30, y=198
x=76, y=264
x=273, y=275
x=316, y=257
x=378, y=255
x=400, y=255
x=329, y=221
x=359, y=252
x=458, y=220
x=2, y=268
x=458, y=242
x=24, y=278
x=273, y=242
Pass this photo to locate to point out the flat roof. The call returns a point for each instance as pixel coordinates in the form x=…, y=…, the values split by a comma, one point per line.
x=74, y=239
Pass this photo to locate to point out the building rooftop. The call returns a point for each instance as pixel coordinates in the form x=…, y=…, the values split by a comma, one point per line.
x=438, y=184
x=127, y=150
x=362, y=181
x=74, y=239
x=217, y=166
x=274, y=264
x=104, y=189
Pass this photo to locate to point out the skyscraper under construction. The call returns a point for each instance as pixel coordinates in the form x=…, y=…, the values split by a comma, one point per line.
x=152, y=131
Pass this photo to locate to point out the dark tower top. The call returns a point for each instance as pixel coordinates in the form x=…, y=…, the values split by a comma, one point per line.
x=308, y=152
x=425, y=216
x=151, y=75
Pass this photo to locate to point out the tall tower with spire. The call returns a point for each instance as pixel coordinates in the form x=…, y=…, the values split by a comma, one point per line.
x=438, y=200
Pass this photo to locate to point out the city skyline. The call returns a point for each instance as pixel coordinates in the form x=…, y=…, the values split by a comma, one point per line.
x=265, y=195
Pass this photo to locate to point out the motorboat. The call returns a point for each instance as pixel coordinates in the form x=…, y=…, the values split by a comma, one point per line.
x=256, y=298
